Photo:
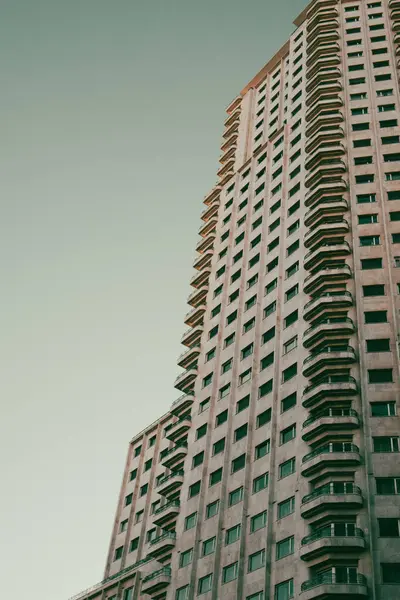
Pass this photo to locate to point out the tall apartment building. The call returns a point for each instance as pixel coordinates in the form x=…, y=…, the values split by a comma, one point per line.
x=276, y=474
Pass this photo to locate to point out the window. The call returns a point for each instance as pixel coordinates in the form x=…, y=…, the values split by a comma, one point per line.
x=213, y=332
x=245, y=376
x=288, y=434
x=395, y=216
x=235, y=496
x=210, y=354
x=367, y=219
x=215, y=476
x=118, y=553
x=139, y=516
x=247, y=351
x=376, y=316
x=123, y=525
x=264, y=417
x=258, y=521
x=267, y=361
x=251, y=302
x=215, y=311
x=271, y=286
x=204, y=584
x=260, y=483
x=182, y=593
x=262, y=449
x=285, y=547
x=288, y=402
x=389, y=527
x=289, y=372
x=128, y=594
x=143, y=489
x=226, y=366
x=235, y=276
x=255, y=241
x=287, y=468
x=363, y=160
x=240, y=432
x=186, y=558
x=252, y=281
x=284, y=590
x=380, y=376
x=134, y=544
x=286, y=507
x=388, y=123
x=383, y=409
x=221, y=418
x=291, y=318
x=209, y=546
x=371, y=263
x=194, y=489
x=360, y=126
x=238, y=463
x=137, y=451
x=373, y=290
x=128, y=499
x=190, y=521
x=201, y=431
x=212, y=509
x=390, y=572
x=237, y=256
x=391, y=139
x=232, y=317
x=249, y=325
x=229, y=340
x=230, y=573
x=232, y=534
x=363, y=143
x=198, y=459
x=133, y=475
x=367, y=178
x=386, y=444
x=256, y=561
x=204, y=405
x=293, y=248
x=243, y=404
x=218, y=291
x=224, y=391
x=387, y=485
x=290, y=345
x=378, y=345
x=273, y=244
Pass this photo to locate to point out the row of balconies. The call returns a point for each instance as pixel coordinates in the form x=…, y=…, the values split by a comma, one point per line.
x=327, y=251
x=325, y=49
x=330, y=135
x=323, y=105
x=325, y=208
x=325, y=119
x=326, y=277
x=328, y=421
x=329, y=302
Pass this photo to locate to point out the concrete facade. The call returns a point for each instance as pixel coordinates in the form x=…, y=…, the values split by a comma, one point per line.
x=276, y=475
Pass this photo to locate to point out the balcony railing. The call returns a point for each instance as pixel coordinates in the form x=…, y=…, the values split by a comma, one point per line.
x=328, y=532
x=332, y=321
x=332, y=489
x=164, y=507
x=331, y=379
x=333, y=579
x=330, y=350
x=332, y=448
x=330, y=295
x=331, y=412
x=164, y=571
x=168, y=535
x=179, y=473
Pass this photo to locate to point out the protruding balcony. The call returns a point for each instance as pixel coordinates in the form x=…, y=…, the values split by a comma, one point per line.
x=185, y=381
x=322, y=44
x=328, y=585
x=328, y=357
x=327, y=251
x=198, y=296
x=206, y=243
x=320, y=5
x=325, y=171
x=174, y=456
x=330, y=458
x=213, y=195
x=200, y=279
x=163, y=544
x=203, y=260
x=321, y=63
x=331, y=136
x=335, y=226
x=208, y=227
x=192, y=336
x=334, y=496
x=170, y=483
x=323, y=14
x=211, y=210
x=157, y=581
x=182, y=403
x=330, y=48
x=226, y=168
x=328, y=329
x=336, y=188
x=228, y=155
x=232, y=118
x=328, y=421
x=164, y=514
x=229, y=131
x=327, y=388
x=188, y=357
x=195, y=317
x=328, y=302
x=325, y=209
x=331, y=539
x=176, y=430
x=326, y=277
x=230, y=142
x=323, y=106
x=325, y=89
x=324, y=75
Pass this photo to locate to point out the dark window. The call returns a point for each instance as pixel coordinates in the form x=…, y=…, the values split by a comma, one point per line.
x=380, y=375
x=390, y=572
x=291, y=318
x=243, y=404
x=262, y=449
x=238, y=463
x=267, y=361
x=289, y=372
x=288, y=402
x=383, y=409
x=219, y=446
x=194, y=489
x=268, y=335
x=198, y=459
x=373, y=290
x=240, y=432
x=265, y=388
x=389, y=527
x=215, y=476
x=376, y=316
x=201, y=431
x=371, y=263
x=221, y=418
x=264, y=417
x=378, y=345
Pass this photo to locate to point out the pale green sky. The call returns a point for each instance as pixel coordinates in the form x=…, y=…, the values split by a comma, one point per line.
x=111, y=115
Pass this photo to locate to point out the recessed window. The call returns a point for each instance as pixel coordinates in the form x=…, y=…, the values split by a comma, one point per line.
x=256, y=561
x=390, y=572
x=284, y=590
x=373, y=290
x=198, y=459
x=267, y=361
x=380, y=375
x=260, y=483
x=367, y=178
x=288, y=402
x=123, y=525
x=288, y=434
x=247, y=351
x=383, y=409
x=190, y=521
x=286, y=507
x=371, y=263
x=118, y=553
x=194, y=489
x=212, y=509
x=376, y=316
x=389, y=527
x=230, y=573
x=245, y=376
x=262, y=449
x=378, y=345
x=207, y=380
x=367, y=219
x=289, y=372
x=240, y=432
x=249, y=325
x=185, y=558
x=204, y=584
x=258, y=521
x=291, y=318
x=238, y=463
x=387, y=486
x=215, y=476
x=232, y=534
x=235, y=496
x=201, y=431
x=221, y=418
x=251, y=302
x=209, y=546
x=292, y=270
x=134, y=544
x=265, y=388
x=383, y=444
x=226, y=366
x=232, y=317
x=287, y=468
x=219, y=446
x=133, y=475
x=128, y=499
x=290, y=345
x=285, y=547
x=210, y=354
x=229, y=340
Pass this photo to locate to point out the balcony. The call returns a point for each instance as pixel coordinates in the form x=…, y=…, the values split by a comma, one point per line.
x=316, y=394
x=327, y=302
x=320, y=5
x=229, y=131
x=325, y=75
x=178, y=428
x=325, y=171
x=211, y=210
x=325, y=209
x=188, y=357
x=330, y=48
x=195, y=317
x=203, y=260
x=230, y=142
x=333, y=538
x=185, y=381
x=208, y=227
x=323, y=62
x=156, y=581
x=329, y=421
x=192, y=336
x=328, y=329
x=323, y=122
x=336, y=188
x=228, y=155
x=206, y=243
x=166, y=513
x=200, y=279
x=182, y=403
x=226, y=168
x=325, y=41
x=321, y=16
x=212, y=196
x=232, y=118
x=174, y=456
x=334, y=496
x=326, y=89
x=320, y=139
x=327, y=277
x=198, y=296
x=170, y=483
x=335, y=226
x=330, y=356
x=327, y=585
x=163, y=544
x=329, y=458
x=327, y=251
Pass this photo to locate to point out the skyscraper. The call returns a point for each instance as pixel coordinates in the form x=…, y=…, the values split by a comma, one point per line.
x=276, y=474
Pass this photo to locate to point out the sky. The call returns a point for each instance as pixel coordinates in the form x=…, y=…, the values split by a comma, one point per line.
x=111, y=115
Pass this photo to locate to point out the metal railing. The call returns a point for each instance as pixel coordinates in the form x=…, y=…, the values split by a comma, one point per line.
x=330, y=350
x=329, y=295
x=324, y=532
x=164, y=507
x=331, y=379
x=334, y=579
x=332, y=448
x=168, y=535
x=329, y=490
x=179, y=473
x=328, y=322
x=329, y=245
x=331, y=412
x=343, y=267
x=173, y=449
x=175, y=402
x=164, y=571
